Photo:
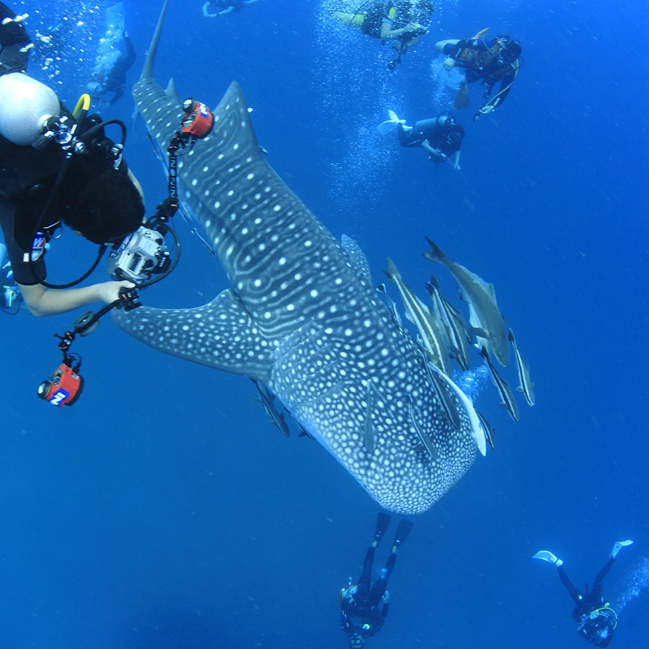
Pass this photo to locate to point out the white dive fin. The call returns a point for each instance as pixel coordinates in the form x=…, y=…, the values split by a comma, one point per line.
x=618, y=546
x=545, y=555
x=387, y=127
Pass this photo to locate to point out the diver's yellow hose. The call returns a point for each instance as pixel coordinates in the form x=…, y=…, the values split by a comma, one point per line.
x=84, y=103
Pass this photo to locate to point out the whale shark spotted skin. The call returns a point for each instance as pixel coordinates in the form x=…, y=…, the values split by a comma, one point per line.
x=302, y=316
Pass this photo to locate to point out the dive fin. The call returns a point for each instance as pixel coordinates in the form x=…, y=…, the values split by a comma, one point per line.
x=618, y=546
x=382, y=524
x=387, y=127
x=402, y=533
x=546, y=555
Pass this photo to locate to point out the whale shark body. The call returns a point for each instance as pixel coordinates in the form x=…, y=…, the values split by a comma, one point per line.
x=302, y=316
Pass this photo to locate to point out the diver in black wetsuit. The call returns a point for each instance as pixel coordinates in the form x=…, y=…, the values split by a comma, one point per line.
x=364, y=607
x=109, y=85
x=597, y=620
x=441, y=136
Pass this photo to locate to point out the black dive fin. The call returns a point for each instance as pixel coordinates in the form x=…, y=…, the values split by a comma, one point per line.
x=402, y=533
x=382, y=524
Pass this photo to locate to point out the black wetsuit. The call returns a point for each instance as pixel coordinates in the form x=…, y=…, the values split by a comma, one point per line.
x=447, y=139
x=587, y=603
x=480, y=57
x=363, y=612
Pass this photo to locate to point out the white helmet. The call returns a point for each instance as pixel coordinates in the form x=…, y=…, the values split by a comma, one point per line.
x=25, y=106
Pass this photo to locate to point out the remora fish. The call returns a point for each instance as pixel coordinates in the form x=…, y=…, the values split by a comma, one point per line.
x=476, y=428
x=454, y=325
x=526, y=386
x=506, y=394
x=301, y=317
x=395, y=312
x=490, y=433
x=483, y=309
x=427, y=324
x=266, y=400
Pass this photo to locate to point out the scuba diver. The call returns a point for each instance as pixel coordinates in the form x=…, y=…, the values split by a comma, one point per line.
x=403, y=21
x=597, y=620
x=364, y=607
x=441, y=136
x=115, y=56
x=107, y=86
x=490, y=58
x=224, y=7
x=56, y=167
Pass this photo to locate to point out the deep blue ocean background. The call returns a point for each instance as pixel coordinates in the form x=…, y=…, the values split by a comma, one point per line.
x=163, y=511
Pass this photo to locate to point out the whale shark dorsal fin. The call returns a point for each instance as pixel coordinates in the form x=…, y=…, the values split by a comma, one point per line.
x=358, y=257
x=172, y=92
x=236, y=342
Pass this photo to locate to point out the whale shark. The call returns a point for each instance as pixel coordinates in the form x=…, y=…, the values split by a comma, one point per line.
x=302, y=316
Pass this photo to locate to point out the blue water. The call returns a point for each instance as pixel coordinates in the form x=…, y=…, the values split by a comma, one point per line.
x=162, y=511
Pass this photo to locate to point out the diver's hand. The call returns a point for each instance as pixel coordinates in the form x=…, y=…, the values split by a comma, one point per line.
x=109, y=291
x=449, y=64
x=437, y=156
x=485, y=110
x=456, y=166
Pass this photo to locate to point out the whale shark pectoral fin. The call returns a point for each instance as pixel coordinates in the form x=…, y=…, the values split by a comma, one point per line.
x=221, y=334
x=358, y=257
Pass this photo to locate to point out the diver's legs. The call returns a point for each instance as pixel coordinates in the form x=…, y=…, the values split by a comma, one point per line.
x=378, y=590
x=366, y=576
x=575, y=593
x=409, y=137
x=604, y=571
x=598, y=589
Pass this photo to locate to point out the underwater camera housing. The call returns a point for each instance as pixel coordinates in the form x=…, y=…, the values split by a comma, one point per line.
x=139, y=256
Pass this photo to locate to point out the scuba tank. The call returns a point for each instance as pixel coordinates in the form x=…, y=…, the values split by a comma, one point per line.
x=25, y=107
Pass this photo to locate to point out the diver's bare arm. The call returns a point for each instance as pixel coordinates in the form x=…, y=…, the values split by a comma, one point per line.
x=42, y=301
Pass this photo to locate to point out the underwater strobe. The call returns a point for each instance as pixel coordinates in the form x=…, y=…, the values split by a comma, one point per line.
x=197, y=120
x=64, y=386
